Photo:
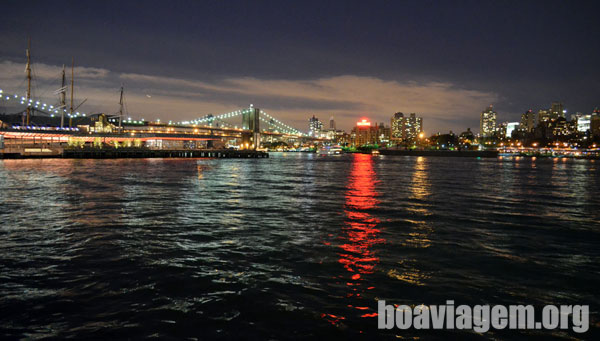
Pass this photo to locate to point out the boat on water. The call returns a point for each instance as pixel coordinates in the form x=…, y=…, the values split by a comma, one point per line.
x=330, y=150
x=375, y=152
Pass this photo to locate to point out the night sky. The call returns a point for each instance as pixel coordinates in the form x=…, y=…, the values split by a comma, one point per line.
x=180, y=60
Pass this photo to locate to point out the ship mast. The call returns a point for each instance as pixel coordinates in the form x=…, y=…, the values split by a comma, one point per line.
x=72, y=89
x=63, y=99
x=121, y=109
x=28, y=69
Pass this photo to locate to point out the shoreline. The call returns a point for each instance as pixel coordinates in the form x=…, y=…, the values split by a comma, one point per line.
x=451, y=153
x=124, y=153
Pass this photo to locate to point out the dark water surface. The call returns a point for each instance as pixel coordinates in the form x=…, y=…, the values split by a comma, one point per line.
x=288, y=247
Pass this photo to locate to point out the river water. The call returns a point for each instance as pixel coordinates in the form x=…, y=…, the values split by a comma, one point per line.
x=292, y=246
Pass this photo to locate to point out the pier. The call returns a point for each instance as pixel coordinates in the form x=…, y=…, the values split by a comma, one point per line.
x=114, y=153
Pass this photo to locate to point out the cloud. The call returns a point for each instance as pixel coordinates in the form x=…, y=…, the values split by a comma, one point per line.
x=16, y=71
x=443, y=105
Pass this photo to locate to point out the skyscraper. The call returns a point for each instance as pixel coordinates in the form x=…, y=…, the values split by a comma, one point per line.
x=528, y=121
x=314, y=126
x=406, y=129
x=557, y=110
x=331, y=123
x=412, y=127
x=487, y=123
x=397, y=126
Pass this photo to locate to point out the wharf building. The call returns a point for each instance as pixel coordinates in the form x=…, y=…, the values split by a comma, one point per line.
x=365, y=133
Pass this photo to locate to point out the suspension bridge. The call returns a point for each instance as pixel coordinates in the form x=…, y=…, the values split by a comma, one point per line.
x=247, y=128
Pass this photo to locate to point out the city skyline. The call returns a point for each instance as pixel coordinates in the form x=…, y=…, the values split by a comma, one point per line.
x=188, y=76
x=313, y=170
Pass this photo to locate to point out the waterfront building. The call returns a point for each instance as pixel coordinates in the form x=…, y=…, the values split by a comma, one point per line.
x=405, y=129
x=342, y=138
x=385, y=134
x=487, y=122
x=335, y=136
x=444, y=141
x=364, y=133
x=528, y=121
x=101, y=124
x=466, y=138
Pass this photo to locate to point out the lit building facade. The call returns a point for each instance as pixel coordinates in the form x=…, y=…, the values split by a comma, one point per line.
x=528, y=121
x=557, y=110
x=397, y=126
x=510, y=127
x=584, y=123
x=543, y=116
x=501, y=129
x=487, y=122
x=364, y=133
x=385, y=134
x=314, y=126
x=405, y=129
x=595, y=123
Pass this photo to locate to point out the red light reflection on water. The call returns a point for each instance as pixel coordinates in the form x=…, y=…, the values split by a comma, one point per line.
x=360, y=232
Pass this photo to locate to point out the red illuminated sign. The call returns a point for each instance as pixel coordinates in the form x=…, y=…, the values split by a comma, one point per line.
x=363, y=123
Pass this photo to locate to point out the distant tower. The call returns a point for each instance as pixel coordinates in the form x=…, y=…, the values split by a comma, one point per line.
x=314, y=126
x=28, y=70
x=251, y=121
x=331, y=123
x=487, y=123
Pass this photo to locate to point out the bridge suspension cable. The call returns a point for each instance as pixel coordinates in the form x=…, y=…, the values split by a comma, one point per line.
x=209, y=119
x=282, y=127
x=39, y=106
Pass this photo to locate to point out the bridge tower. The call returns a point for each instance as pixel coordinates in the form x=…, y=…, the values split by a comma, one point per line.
x=251, y=123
